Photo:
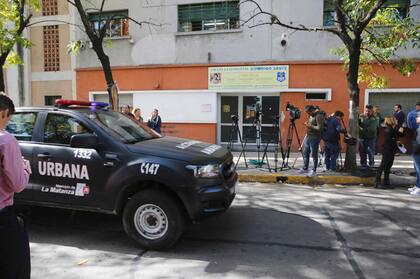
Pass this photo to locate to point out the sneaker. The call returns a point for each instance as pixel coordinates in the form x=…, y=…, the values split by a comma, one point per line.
x=312, y=173
x=412, y=188
x=415, y=191
x=302, y=171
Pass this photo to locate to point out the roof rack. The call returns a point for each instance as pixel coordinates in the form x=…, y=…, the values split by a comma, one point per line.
x=61, y=103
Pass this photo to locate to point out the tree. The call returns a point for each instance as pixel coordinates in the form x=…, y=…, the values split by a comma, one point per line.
x=97, y=38
x=14, y=18
x=371, y=32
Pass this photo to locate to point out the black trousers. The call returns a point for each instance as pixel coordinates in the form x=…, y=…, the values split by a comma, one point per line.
x=15, y=260
x=385, y=166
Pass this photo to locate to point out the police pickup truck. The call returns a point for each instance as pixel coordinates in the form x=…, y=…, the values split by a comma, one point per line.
x=86, y=157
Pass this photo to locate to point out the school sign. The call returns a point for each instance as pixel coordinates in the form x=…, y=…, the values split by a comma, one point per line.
x=248, y=77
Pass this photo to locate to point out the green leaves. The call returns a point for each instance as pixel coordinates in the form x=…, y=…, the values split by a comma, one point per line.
x=389, y=30
x=75, y=46
x=14, y=15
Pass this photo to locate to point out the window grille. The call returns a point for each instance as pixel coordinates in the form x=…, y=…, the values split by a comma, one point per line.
x=118, y=25
x=208, y=16
x=49, y=7
x=51, y=48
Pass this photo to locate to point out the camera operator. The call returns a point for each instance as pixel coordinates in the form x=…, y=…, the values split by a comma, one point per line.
x=331, y=138
x=314, y=129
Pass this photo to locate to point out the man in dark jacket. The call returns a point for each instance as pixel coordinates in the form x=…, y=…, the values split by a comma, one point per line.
x=332, y=138
x=399, y=115
x=368, y=126
x=155, y=122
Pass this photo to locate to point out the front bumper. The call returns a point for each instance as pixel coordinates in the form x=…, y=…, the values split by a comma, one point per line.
x=214, y=198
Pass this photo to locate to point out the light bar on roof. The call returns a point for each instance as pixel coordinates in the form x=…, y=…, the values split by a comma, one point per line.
x=67, y=103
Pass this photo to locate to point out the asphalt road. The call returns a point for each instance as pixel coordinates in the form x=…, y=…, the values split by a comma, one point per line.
x=271, y=231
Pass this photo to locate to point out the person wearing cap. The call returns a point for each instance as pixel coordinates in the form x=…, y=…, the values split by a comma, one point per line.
x=14, y=176
x=416, y=146
x=368, y=126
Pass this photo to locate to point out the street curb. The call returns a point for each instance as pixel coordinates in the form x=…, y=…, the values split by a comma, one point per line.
x=300, y=179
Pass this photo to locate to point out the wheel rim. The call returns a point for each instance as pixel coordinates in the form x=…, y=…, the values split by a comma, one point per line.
x=150, y=221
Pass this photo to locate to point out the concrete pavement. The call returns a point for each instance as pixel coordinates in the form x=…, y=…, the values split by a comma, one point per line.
x=402, y=172
x=270, y=232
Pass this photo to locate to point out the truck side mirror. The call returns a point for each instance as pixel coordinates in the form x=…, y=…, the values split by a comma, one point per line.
x=84, y=141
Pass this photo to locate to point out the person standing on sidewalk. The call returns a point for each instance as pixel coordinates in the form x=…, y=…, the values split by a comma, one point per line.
x=399, y=115
x=416, y=156
x=331, y=138
x=155, y=122
x=368, y=130
x=14, y=176
x=314, y=129
x=388, y=152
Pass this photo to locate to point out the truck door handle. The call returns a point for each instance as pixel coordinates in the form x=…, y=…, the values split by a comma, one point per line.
x=109, y=164
x=44, y=155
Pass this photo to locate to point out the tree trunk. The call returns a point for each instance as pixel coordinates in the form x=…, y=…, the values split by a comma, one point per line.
x=2, y=82
x=21, y=77
x=106, y=67
x=97, y=43
x=350, y=163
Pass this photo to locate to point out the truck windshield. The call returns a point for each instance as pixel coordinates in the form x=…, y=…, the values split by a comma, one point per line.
x=121, y=127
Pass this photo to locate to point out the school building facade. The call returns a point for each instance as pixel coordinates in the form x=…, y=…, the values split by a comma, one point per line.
x=202, y=66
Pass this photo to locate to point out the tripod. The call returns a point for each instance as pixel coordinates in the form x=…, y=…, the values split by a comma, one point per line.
x=276, y=136
x=289, y=140
x=257, y=124
x=235, y=134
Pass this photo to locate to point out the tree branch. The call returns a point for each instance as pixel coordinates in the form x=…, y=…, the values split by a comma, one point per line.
x=371, y=14
x=342, y=25
x=381, y=60
x=274, y=20
x=59, y=21
x=102, y=6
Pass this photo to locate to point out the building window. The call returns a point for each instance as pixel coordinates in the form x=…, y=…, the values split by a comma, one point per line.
x=50, y=100
x=208, y=16
x=49, y=7
x=317, y=96
x=401, y=6
x=51, y=48
x=118, y=22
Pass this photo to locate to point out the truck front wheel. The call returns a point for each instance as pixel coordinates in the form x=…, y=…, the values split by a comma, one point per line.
x=153, y=219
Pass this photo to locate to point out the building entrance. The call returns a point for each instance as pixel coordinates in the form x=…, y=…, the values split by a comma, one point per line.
x=246, y=108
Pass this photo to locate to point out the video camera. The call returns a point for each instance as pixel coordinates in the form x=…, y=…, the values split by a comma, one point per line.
x=234, y=117
x=294, y=112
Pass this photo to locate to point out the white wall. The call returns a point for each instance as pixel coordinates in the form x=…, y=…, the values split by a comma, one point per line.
x=164, y=45
x=192, y=106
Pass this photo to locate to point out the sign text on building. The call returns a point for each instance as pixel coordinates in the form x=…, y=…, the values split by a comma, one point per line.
x=249, y=77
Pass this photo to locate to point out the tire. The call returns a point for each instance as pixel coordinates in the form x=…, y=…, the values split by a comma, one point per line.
x=153, y=219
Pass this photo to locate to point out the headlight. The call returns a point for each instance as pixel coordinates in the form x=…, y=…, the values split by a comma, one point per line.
x=207, y=171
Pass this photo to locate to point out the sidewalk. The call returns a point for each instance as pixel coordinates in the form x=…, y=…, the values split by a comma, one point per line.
x=400, y=172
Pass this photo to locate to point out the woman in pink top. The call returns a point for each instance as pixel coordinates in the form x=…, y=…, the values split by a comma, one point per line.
x=14, y=176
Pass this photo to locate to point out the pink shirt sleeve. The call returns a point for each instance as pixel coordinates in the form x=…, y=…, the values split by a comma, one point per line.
x=15, y=173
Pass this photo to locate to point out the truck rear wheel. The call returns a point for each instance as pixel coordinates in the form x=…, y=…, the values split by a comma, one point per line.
x=153, y=219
